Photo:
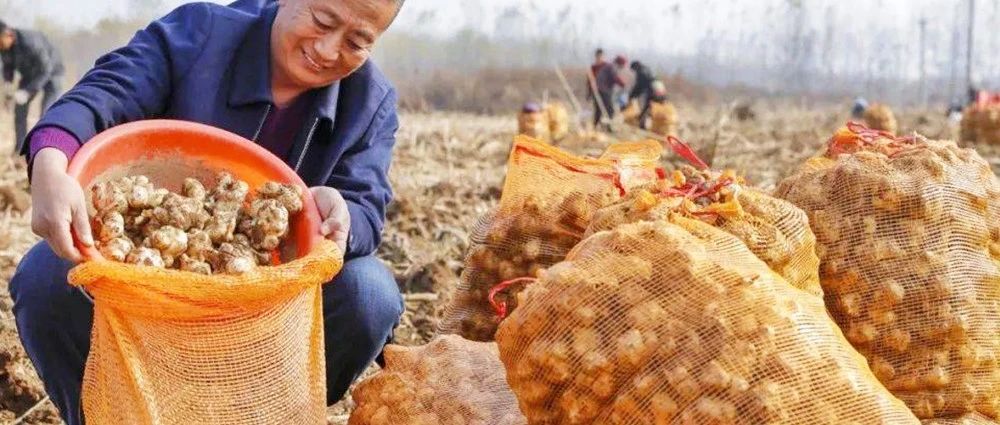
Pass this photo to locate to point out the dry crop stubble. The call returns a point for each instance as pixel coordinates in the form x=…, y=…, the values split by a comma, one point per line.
x=447, y=172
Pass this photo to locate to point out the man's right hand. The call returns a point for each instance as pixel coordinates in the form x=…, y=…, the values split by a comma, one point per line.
x=59, y=208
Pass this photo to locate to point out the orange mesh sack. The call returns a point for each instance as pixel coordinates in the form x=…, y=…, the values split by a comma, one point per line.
x=175, y=347
x=450, y=381
x=880, y=117
x=664, y=117
x=981, y=124
x=908, y=235
x=558, y=120
x=776, y=231
x=178, y=347
x=548, y=199
x=678, y=322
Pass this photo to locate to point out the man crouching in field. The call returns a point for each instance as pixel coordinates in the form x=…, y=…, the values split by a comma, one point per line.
x=291, y=75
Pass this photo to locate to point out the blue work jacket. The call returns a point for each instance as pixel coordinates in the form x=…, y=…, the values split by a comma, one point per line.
x=210, y=64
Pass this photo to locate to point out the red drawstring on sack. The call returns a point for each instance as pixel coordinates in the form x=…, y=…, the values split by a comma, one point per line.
x=867, y=137
x=683, y=150
x=500, y=307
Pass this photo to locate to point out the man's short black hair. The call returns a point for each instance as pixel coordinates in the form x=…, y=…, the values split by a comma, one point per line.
x=3, y=26
x=599, y=51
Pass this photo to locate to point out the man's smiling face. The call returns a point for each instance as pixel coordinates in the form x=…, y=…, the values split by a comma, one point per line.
x=317, y=42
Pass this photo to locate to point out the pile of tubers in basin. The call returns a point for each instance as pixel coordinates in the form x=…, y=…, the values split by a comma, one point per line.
x=201, y=230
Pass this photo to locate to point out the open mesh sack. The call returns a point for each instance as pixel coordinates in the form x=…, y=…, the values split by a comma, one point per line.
x=450, y=381
x=176, y=347
x=880, y=117
x=981, y=123
x=678, y=322
x=664, y=118
x=548, y=199
x=908, y=235
x=776, y=231
x=559, y=121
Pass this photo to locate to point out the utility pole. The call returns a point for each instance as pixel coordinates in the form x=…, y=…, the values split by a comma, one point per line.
x=968, y=52
x=923, y=63
x=953, y=60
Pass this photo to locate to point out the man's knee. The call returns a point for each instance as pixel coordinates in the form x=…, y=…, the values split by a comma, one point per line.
x=39, y=287
x=366, y=293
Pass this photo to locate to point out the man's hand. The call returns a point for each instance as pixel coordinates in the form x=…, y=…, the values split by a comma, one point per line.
x=333, y=211
x=21, y=97
x=59, y=209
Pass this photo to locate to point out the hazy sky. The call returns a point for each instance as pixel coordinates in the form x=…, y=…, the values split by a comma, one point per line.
x=82, y=13
x=848, y=34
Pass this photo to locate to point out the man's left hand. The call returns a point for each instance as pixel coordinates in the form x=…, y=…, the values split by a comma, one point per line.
x=334, y=213
x=21, y=97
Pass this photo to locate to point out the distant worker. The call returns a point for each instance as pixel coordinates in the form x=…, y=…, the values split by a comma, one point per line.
x=974, y=95
x=607, y=80
x=595, y=68
x=38, y=62
x=647, y=89
x=858, y=110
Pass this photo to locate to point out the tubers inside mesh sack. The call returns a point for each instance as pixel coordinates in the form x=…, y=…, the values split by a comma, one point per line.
x=678, y=322
x=198, y=230
x=523, y=245
x=908, y=234
x=548, y=201
x=448, y=381
x=776, y=231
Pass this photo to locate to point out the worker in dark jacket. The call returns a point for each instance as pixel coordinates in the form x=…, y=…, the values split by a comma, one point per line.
x=292, y=76
x=647, y=89
x=30, y=54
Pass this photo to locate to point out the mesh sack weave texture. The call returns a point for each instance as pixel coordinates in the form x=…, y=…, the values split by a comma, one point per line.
x=558, y=117
x=664, y=117
x=534, y=124
x=678, y=322
x=908, y=235
x=981, y=123
x=967, y=419
x=174, y=347
x=450, y=381
x=776, y=231
x=548, y=199
x=880, y=117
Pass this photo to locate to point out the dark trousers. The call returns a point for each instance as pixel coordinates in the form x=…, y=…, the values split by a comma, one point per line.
x=646, y=100
x=361, y=307
x=606, y=99
x=50, y=91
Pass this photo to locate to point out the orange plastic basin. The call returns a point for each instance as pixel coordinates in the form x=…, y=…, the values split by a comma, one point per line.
x=168, y=151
